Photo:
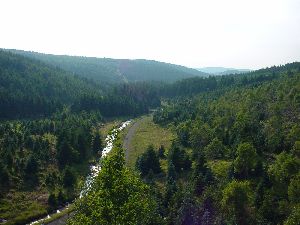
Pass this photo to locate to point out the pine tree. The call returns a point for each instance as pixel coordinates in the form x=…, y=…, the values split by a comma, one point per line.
x=97, y=144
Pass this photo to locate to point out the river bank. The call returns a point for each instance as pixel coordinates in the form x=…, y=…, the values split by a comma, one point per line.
x=62, y=214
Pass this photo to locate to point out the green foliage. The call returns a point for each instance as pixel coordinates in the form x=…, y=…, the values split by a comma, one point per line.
x=171, y=185
x=247, y=128
x=284, y=168
x=179, y=158
x=246, y=160
x=52, y=201
x=69, y=178
x=296, y=149
x=184, y=208
x=4, y=177
x=30, y=88
x=201, y=136
x=238, y=133
x=294, y=190
x=171, y=173
x=294, y=217
x=117, y=197
x=200, y=173
x=97, y=144
x=149, y=160
x=183, y=133
x=220, y=169
x=30, y=160
x=215, y=150
x=161, y=152
x=236, y=200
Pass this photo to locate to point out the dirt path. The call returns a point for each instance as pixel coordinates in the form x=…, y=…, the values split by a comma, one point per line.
x=128, y=137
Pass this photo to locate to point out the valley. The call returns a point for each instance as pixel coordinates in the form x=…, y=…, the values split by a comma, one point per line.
x=196, y=149
x=150, y=112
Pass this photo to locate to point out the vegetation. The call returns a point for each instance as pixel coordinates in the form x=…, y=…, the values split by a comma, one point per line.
x=220, y=150
x=148, y=133
x=109, y=71
x=117, y=197
x=29, y=88
x=49, y=132
x=45, y=156
x=245, y=157
x=148, y=162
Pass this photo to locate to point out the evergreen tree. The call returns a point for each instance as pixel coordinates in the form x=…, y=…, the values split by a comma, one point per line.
x=97, y=144
x=148, y=161
x=117, y=197
x=69, y=178
x=179, y=158
x=236, y=200
x=52, y=201
x=161, y=152
x=246, y=160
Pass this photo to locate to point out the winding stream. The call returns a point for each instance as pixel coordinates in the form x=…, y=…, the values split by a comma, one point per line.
x=110, y=138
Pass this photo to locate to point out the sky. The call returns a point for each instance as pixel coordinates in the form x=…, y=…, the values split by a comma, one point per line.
x=196, y=33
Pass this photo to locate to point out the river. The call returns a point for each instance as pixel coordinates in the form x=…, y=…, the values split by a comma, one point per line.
x=94, y=169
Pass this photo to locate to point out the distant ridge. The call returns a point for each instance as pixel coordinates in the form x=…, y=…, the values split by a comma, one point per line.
x=106, y=70
x=222, y=70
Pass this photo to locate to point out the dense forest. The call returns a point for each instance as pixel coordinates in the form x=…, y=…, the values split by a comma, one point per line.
x=30, y=88
x=235, y=159
x=106, y=71
x=240, y=149
x=49, y=132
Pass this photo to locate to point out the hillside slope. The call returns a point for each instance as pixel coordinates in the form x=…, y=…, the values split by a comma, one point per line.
x=29, y=87
x=245, y=144
x=105, y=70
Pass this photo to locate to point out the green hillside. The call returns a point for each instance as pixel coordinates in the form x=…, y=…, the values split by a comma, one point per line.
x=50, y=124
x=105, y=70
x=234, y=158
x=242, y=141
x=31, y=88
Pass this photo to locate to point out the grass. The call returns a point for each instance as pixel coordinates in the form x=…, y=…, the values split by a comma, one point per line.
x=18, y=207
x=57, y=215
x=148, y=133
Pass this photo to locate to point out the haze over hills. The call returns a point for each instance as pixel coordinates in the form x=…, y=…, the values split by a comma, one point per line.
x=51, y=126
x=31, y=88
x=150, y=112
x=222, y=70
x=106, y=70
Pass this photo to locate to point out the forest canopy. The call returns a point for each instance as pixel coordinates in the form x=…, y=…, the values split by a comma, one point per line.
x=235, y=158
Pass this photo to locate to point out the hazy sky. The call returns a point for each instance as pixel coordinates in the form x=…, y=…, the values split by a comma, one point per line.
x=232, y=33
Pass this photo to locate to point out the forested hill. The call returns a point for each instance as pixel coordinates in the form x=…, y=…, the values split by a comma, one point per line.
x=245, y=150
x=220, y=84
x=235, y=158
x=222, y=70
x=30, y=88
x=105, y=70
